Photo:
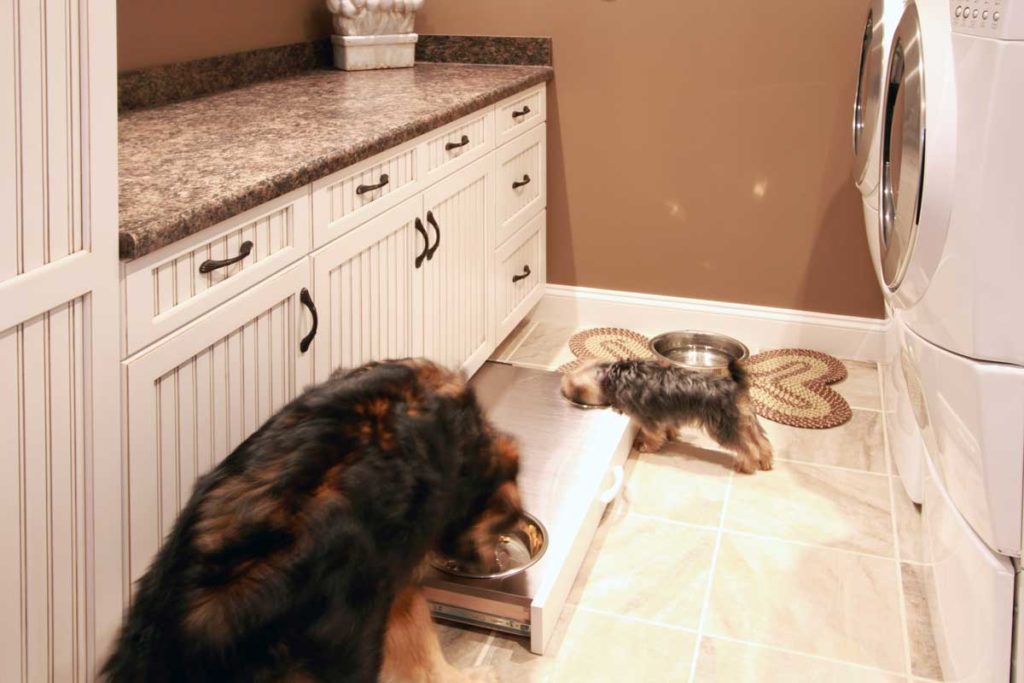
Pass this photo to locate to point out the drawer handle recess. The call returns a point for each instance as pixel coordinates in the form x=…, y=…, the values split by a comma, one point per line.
x=211, y=265
x=384, y=180
x=526, y=273
x=426, y=238
x=456, y=145
x=522, y=112
x=307, y=300
x=437, y=229
x=521, y=183
x=618, y=476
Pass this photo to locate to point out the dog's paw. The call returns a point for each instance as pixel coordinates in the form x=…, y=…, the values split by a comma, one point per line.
x=744, y=466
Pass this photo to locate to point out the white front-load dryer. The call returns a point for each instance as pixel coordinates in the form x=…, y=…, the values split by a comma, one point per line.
x=879, y=24
x=951, y=244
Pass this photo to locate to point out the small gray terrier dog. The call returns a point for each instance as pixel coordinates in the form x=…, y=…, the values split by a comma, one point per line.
x=663, y=398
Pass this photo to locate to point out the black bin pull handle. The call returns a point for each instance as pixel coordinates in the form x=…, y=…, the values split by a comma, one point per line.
x=521, y=183
x=384, y=180
x=437, y=229
x=211, y=265
x=455, y=145
x=307, y=300
x=523, y=112
x=526, y=273
x=426, y=238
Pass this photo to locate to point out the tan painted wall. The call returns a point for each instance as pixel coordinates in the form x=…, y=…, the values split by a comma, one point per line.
x=152, y=32
x=696, y=149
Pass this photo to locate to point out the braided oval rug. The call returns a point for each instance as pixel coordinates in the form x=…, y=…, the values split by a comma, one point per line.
x=788, y=386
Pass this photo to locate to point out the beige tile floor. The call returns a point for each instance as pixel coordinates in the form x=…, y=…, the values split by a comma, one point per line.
x=810, y=572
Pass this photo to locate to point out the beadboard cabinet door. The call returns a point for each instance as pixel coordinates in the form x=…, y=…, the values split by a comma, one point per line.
x=197, y=395
x=61, y=577
x=453, y=290
x=362, y=284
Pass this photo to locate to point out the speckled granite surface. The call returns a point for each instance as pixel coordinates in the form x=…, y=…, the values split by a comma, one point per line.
x=190, y=165
x=187, y=80
x=484, y=50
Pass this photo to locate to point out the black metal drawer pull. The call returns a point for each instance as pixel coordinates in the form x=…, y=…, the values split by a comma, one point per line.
x=523, y=112
x=437, y=229
x=210, y=266
x=521, y=183
x=426, y=249
x=307, y=301
x=526, y=273
x=455, y=145
x=384, y=180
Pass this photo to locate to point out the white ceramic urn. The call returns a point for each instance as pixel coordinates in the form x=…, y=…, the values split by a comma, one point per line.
x=374, y=34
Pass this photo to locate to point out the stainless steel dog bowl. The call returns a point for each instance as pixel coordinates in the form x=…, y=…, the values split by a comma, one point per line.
x=583, y=406
x=701, y=351
x=516, y=552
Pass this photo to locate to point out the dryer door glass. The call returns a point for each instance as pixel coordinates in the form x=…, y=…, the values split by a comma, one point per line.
x=869, y=86
x=903, y=149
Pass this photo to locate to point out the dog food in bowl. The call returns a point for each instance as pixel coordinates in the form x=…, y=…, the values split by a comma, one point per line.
x=702, y=351
x=515, y=552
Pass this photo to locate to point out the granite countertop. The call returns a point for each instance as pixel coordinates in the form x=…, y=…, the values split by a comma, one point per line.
x=190, y=165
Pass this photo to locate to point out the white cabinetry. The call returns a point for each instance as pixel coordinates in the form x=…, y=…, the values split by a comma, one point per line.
x=454, y=285
x=197, y=395
x=399, y=255
x=61, y=577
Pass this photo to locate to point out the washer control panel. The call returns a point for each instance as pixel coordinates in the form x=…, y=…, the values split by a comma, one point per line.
x=1003, y=19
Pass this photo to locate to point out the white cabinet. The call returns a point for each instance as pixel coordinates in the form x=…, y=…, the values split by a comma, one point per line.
x=520, y=273
x=454, y=285
x=362, y=285
x=194, y=397
x=60, y=468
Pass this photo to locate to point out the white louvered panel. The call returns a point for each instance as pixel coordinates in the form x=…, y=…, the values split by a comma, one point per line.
x=452, y=289
x=522, y=159
x=198, y=395
x=40, y=164
x=526, y=249
x=42, y=497
x=363, y=288
x=165, y=290
x=477, y=128
x=339, y=208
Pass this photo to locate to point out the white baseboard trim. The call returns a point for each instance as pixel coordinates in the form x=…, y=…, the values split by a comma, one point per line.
x=759, y=327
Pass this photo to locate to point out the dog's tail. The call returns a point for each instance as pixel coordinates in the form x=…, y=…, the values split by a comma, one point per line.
x=739, y=374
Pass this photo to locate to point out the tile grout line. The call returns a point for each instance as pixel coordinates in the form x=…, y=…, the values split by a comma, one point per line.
x=764, y=537
x=809, y=655
x=830, y=467
x=485, y=650
x=705, y=607
x=637, y=620
x=904, y=618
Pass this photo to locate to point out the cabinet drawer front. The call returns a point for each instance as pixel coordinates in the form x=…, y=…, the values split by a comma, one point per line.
x=520, y=274
x=197, y=395
x=346, y=199
x=459, y=144
x=520, y=113
x=166, y=290
x=363, y=288
x=521, y=179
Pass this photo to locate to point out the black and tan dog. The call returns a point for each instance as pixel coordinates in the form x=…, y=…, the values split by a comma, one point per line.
x=297, y=558
x=663, y=398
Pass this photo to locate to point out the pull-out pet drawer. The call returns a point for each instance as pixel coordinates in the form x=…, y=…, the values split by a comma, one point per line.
x=520, y=274
x=521, y=177
x=459, y=144
x=520, y=113
x=570, y=468
x=175, y=285
x=346, y=199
